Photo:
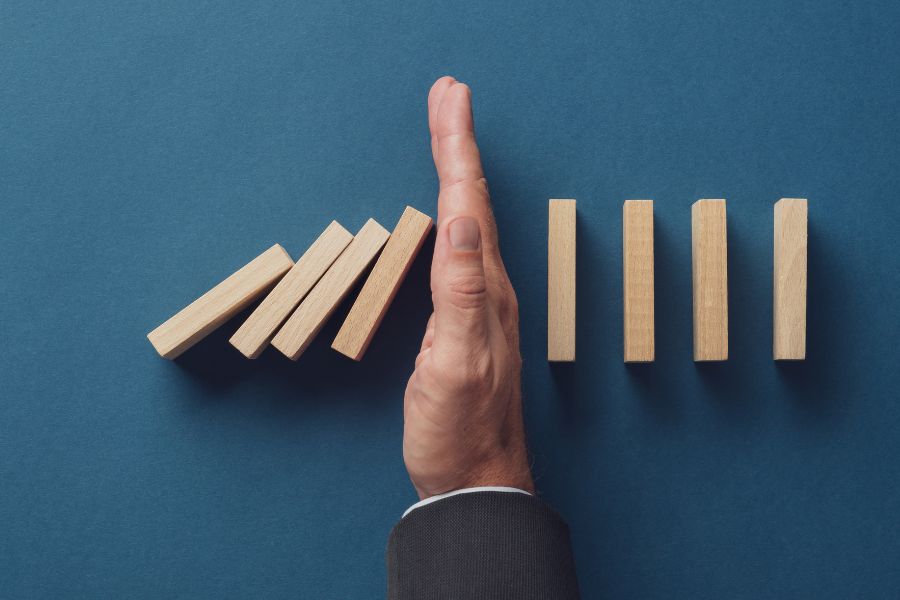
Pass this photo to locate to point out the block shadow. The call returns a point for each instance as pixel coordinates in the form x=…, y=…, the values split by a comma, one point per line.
x=814, y=388
x=732, y=384
x=655, y=383
x=818, y=386
x=570, y=381
x=321, y=374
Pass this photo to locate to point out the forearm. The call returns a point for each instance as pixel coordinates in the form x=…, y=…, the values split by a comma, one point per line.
x=481, y=545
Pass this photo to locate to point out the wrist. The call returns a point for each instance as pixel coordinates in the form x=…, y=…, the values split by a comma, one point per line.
x=515, y=475
x=500, y=473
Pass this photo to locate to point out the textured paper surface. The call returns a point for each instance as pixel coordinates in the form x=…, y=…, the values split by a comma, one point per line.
x=148, y=148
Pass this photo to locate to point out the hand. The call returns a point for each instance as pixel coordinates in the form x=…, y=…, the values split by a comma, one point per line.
x=463, y=405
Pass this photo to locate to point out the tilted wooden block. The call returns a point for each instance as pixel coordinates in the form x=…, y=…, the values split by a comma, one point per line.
x=709, y=260
x=302, y=326
x=637, y=254
x=789, y=309
x=212, y=309
x=561, y=282
x=253, y=336
x=380, y=288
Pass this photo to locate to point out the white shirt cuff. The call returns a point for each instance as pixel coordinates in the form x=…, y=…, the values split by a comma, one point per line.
x=431, y=499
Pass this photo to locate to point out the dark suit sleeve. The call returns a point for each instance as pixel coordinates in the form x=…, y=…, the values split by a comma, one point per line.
x=485, y=545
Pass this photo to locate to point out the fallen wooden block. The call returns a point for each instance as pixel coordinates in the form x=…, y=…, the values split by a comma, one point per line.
x=212, y=309
x=380, y=288
x=637, y=255
x=709, y=261
x=253, y=336
x=302, y=326
x=561, y=282
x=789, y=308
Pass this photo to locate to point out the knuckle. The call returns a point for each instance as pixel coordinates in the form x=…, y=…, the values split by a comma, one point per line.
x=467, y=183
x=473, y=379
x=481, y=185
x=467, y=291
x=481, y=369
x=466, y=374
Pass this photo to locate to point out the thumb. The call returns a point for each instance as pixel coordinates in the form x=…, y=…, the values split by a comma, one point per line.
x=458, y=287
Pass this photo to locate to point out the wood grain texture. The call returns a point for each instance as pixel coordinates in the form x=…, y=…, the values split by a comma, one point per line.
x=789, y=307
x=253, y=336
x=212, y=309
x=637, y=268
x=379, y=290
x=302, y=326
x=709, y=260
x=561, y=281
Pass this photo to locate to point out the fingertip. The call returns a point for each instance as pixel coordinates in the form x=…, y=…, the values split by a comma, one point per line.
x=442, y=82
x=463, y=88
x=435, y=94
x=454, y=114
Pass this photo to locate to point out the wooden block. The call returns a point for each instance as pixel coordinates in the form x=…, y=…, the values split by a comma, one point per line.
x=710, y=280
x=380, y=288
x=302, y=326
x=253, y=336
x=637, y=254
x=561, y=282
x=219, y=304
x=789, y=309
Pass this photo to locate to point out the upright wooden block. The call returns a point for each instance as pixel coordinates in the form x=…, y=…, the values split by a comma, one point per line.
x=789, y=309
x=380, y=288
x=212, y=309
x=637, y=254
x=710, y=280
x=253, y=336
x=302, y=326
x=561, y=282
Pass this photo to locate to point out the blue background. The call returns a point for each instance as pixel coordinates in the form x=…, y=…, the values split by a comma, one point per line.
x=148, y=149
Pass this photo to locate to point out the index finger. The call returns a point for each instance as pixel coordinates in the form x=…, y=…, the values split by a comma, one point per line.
x=464, y=189
x=453, y=128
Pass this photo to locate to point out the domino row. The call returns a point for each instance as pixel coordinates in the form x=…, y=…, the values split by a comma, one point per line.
x=709, y=265
x=305, y=293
